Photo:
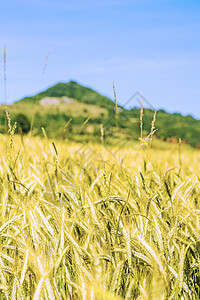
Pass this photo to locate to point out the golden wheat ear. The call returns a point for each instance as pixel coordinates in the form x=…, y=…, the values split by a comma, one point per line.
x=116, y=110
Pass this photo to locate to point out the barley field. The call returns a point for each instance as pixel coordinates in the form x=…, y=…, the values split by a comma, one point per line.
x=95, y=223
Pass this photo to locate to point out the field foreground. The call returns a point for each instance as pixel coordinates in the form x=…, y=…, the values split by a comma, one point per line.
x=94, y=223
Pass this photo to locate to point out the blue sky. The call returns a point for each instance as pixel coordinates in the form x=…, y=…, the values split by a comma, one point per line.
x=150, y=46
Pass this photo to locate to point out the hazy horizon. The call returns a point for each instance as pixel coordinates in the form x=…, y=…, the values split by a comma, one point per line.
x=131, y=104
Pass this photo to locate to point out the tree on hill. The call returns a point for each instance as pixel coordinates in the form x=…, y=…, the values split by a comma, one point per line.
x=23, y=122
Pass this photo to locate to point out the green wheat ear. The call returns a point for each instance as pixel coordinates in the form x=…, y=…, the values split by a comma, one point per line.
x=141, y=120
x=11, y=129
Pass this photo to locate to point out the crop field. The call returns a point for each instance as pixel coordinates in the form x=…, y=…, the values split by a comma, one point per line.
x=94, y=223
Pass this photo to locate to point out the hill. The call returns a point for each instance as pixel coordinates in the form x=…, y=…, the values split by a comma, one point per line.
x=74, y=112
x=72, y=90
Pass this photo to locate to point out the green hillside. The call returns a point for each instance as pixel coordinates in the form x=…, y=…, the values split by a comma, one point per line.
x=74, y=112
x=72, y=90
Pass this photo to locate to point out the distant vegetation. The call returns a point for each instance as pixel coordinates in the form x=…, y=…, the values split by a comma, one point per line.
x=81, y=118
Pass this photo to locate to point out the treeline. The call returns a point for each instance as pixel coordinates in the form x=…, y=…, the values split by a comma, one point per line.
x=94, y=117
x=169, y=127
